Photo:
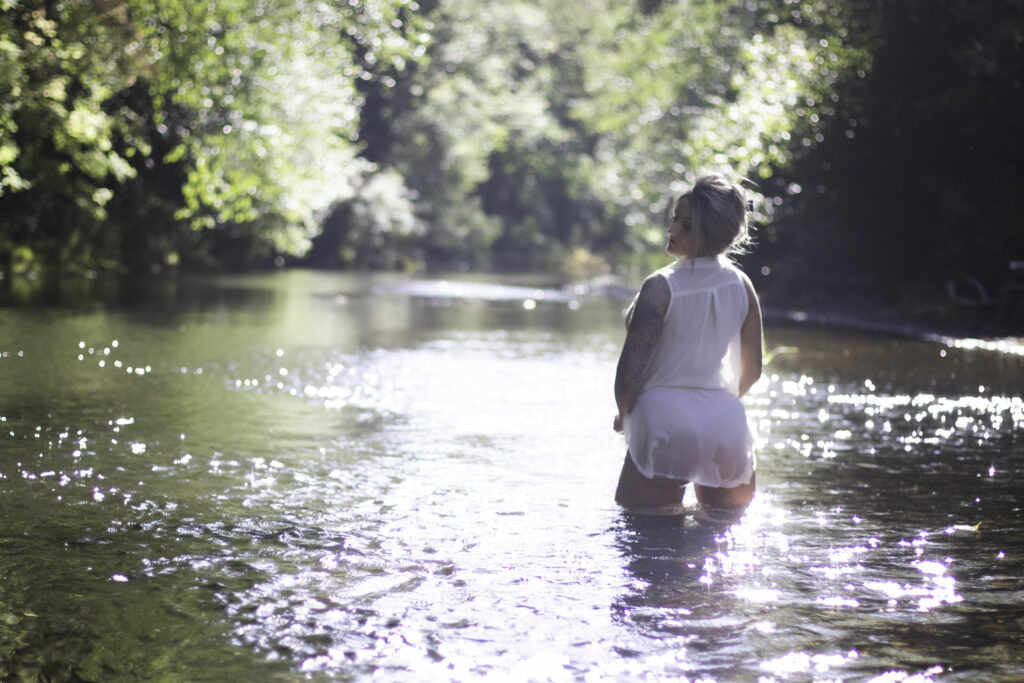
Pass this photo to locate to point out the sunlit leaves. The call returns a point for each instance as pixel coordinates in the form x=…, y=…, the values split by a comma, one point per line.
x=773, y=81
x=52, y=98
x=693, y=87
x=255, y=102
x=260, y=105
x=530, y=124
x=490, y=81
x=388, y=33
x=613, y=110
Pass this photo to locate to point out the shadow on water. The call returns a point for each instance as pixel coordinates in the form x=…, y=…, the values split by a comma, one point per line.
x=665, y=557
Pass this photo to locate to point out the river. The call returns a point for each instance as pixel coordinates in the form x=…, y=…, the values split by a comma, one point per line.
x=309, y=475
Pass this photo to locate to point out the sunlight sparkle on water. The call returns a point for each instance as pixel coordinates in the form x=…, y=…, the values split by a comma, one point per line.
x=357, y=498
x=925, y=676
x=802, y=662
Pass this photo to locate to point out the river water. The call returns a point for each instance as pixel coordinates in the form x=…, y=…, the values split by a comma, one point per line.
x=325, y=476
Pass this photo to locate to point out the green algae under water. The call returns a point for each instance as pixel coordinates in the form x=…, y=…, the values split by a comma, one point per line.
x=311, y=475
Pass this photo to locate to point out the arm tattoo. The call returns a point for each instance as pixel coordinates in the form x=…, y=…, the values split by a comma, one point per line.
x=629, y=311
x=645, y=325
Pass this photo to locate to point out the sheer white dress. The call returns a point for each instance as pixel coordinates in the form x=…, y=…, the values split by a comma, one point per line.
x=688, y=422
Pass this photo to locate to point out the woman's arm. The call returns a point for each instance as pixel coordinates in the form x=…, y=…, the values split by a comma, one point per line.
x=751, y=341
x=629, y=311
x=642, y=333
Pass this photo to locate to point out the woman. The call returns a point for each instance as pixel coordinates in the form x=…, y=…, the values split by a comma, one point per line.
x=693, y=347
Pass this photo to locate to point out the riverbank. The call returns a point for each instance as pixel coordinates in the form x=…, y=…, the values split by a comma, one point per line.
x=970, y=329
x=997, y=327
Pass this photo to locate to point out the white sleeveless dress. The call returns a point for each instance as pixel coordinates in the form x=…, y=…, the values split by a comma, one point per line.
x=688, y=422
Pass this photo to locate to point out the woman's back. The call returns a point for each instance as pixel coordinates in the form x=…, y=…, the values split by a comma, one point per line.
x=700, y=342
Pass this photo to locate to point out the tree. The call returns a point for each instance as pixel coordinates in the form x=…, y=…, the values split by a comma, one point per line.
x=57, y=156
x=684, y=88
x=226, y=125
x=915, y=185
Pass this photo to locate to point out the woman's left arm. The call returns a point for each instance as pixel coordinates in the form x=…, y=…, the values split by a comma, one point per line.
x=643, y=332
x=751, y=341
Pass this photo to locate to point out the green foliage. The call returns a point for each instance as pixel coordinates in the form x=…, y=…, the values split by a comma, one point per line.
x=484, y=136
x=57, y=155
x=268, y=114
x=522, y=131
x=388, y=133
x=575, y=130
x=376, y=227
x=248, y=111
x=706, y=86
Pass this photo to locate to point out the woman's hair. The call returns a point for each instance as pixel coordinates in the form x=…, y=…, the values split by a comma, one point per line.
x=718, y=216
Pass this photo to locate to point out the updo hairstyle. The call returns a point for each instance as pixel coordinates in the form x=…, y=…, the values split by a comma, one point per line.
x=718, y=216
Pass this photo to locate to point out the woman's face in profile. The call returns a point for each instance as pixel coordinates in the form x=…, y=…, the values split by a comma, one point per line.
x=680, y=232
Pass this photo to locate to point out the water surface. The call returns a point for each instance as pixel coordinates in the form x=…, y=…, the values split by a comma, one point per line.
x=311, y=475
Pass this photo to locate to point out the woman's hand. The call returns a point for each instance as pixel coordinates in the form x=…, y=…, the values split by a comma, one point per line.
x=617, y=423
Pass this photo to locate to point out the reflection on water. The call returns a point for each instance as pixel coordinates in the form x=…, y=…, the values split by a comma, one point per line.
x=338, y=476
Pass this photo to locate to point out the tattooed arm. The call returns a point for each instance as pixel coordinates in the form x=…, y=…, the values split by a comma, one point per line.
x=644, y=326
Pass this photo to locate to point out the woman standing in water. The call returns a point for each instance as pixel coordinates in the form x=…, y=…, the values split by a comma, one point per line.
x=693, y=347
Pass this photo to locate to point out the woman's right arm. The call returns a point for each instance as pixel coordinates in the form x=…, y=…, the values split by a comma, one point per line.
x=644, y=328
x=751, y=341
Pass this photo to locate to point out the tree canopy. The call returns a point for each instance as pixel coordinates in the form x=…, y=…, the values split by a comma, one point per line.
x=879, y=139
x=139, y=133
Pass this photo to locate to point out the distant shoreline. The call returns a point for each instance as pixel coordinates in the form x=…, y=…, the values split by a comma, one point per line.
x=958, y=334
